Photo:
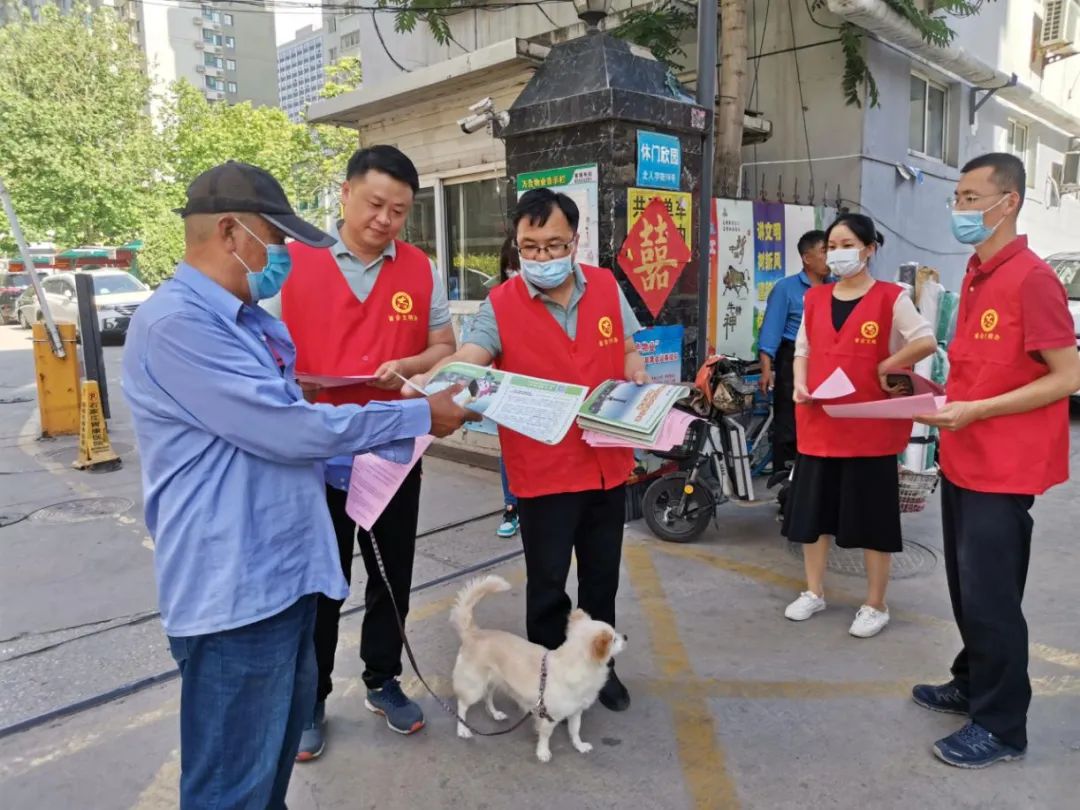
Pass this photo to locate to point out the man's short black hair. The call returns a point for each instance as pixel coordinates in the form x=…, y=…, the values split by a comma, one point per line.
x=1009, y=173
x=810, y=240
x=537, y=205
x=386, y=159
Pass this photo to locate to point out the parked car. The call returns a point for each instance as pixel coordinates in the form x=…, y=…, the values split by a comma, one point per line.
x=12, y=286
x=117, y=294
x=1067, y=267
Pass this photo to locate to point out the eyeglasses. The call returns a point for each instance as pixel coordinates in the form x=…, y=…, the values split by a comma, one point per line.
x=970, y=200
x=553, y=250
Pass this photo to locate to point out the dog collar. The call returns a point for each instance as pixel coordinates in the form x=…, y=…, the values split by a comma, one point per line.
x=541, y=710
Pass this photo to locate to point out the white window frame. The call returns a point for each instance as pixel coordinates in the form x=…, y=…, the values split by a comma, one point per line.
x=945, y=133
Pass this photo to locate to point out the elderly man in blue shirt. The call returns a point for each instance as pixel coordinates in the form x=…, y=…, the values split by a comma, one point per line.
x=232, y=464
x=776, y=343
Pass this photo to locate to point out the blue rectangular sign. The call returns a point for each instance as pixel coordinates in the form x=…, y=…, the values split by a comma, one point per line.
x=661, y=348
x=659, y=160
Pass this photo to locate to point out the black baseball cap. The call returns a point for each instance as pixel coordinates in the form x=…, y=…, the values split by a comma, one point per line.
x=241, y=187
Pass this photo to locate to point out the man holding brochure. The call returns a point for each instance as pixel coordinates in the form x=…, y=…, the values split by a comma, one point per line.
x=560, y=320
x=1004, y=440
x=369, y=304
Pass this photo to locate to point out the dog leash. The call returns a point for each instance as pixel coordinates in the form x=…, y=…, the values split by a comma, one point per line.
x=540, y=710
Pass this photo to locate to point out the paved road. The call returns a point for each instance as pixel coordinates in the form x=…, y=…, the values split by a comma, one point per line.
x=734, y=707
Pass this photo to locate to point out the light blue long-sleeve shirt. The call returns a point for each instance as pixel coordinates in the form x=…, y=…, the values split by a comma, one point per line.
x=232, y=457
x=783, y=313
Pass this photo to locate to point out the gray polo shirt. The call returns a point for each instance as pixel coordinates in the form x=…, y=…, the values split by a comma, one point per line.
x=362, y=277
x=484, y=331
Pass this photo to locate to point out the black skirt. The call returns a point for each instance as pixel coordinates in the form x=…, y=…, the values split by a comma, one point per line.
x=856, y=500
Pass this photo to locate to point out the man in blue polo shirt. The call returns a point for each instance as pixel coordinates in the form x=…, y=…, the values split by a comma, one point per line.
x=776, y=343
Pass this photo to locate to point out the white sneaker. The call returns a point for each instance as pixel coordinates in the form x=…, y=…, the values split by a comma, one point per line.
x=869, y=622
x=805, y=606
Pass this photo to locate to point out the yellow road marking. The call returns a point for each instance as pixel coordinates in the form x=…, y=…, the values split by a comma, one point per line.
x=1044, y=652
x=162, y=793
x=703, y=761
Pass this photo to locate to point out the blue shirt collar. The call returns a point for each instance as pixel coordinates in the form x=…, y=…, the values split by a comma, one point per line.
x=220, y=300
x=342, y=250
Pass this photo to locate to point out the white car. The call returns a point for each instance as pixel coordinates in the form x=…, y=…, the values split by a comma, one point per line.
x=1067, y=267
x=117, y=294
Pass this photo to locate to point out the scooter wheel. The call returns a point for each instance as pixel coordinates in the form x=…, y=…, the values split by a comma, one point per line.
x=670, y=517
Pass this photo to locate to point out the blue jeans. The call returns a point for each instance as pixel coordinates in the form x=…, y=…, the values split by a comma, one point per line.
x=245, y=696
x=508, y=497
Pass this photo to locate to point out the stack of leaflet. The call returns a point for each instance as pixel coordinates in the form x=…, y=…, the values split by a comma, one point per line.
x=672, y=434
x=633, y=413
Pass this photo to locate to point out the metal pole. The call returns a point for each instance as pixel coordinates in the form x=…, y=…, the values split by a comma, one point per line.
x=90, y=331
x=706, y=97
x=16, y=231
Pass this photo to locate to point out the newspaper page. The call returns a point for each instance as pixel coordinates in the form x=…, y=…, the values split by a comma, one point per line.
x=543, y=410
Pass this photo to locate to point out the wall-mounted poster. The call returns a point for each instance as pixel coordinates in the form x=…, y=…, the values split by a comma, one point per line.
x=653, y=256
x=677, y=203
x=769, y=255
x=579, y=183
x=735, y=290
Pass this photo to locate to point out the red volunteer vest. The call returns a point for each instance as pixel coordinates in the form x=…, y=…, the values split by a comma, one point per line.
x=337, y=335
x=1020, y=454
x=858, y=348
x=533, y=343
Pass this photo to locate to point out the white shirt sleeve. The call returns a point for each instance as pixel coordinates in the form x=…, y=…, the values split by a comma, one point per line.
x=802, y=342
x=908, y=324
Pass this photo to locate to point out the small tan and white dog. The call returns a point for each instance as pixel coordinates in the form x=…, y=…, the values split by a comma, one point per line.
x=493, y=660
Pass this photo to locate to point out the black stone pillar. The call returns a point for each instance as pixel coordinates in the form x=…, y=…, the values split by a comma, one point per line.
x=585, y=105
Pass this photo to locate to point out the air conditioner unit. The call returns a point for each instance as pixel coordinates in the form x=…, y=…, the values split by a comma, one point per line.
x=200, y=69
x=198, y=21
x=1060, y=26
x=199, y=45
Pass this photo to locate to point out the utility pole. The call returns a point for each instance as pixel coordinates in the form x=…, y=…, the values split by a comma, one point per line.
x=733, y=60
x=706, y=97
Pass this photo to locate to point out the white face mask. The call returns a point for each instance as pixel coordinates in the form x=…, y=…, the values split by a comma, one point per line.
x=845, y=262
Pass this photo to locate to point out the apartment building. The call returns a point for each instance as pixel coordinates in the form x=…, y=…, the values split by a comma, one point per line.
x=301, y=71
x=342, y=33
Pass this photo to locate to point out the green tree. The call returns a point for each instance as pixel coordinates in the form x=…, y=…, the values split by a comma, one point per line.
x=77, y=149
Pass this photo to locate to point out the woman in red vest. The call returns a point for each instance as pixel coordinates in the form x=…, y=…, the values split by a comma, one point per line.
x=846, y=478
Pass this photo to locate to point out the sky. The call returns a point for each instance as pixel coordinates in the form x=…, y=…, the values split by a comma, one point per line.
x=288, y=22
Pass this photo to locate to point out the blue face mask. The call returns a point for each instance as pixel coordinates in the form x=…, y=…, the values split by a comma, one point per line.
x=969, y=228
x=547, y=275
x=268, y=282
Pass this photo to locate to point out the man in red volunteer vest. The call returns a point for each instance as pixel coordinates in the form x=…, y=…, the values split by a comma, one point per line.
x=562, y=321
x=1004, y=440
x=370, y=304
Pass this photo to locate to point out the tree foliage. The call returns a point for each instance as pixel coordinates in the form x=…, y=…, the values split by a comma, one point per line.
x=87, y=164
x=77, y=149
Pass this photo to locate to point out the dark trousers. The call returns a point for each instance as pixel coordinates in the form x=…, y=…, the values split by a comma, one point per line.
x=987, y=546
x=380, y=641
x=245, y=696
x=555, y=527
x=783, y=435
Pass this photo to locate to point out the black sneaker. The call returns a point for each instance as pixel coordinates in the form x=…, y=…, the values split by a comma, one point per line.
x=946, y=698
x=974, y=747
x=614, y=695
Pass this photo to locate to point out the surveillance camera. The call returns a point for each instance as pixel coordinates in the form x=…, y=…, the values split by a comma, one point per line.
x=483, y=105
x=473, y=123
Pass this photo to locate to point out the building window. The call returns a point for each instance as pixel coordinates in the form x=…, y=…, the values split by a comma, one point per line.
x=331, y=25
x=211, y=61
x=332, y=56
x=476, y=228
x=926, y=128
x=420, y=229
x=230, y=42
x=228, y=18
x=211, y=38
x=214, y=84
x=232, y=87
x=350, y=40
x=230, y=64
